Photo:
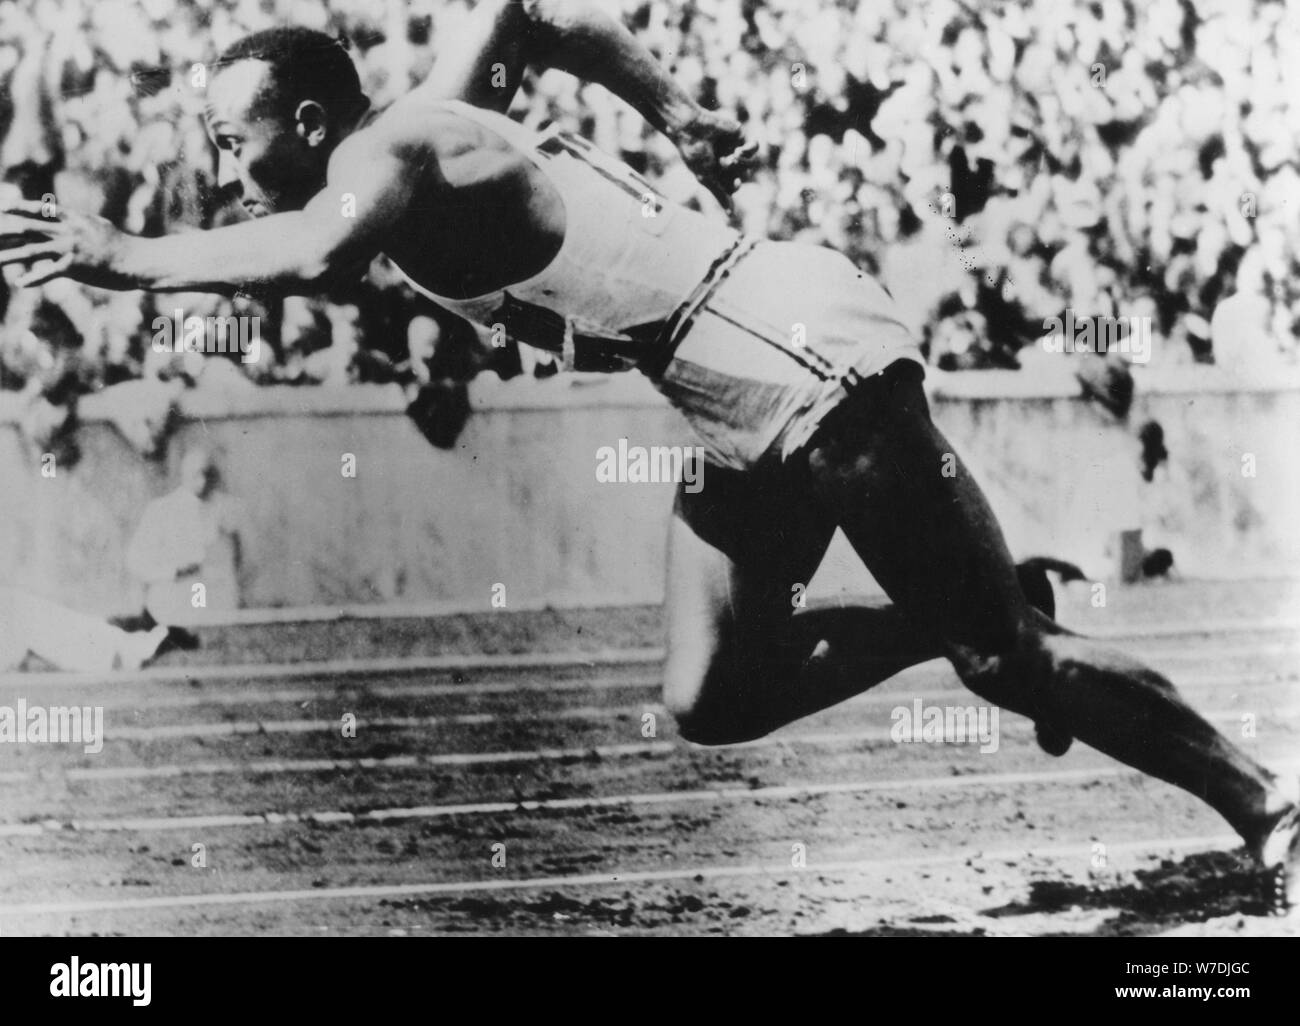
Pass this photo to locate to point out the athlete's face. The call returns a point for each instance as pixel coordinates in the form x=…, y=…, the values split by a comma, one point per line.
x=273, y=159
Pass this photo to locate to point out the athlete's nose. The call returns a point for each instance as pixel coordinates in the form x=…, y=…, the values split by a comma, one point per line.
x=227, y=174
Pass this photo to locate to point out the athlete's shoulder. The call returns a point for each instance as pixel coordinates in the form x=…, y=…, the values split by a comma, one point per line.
x=409, y=140
x=419, y=132
x=443, y=144
x=446, y=127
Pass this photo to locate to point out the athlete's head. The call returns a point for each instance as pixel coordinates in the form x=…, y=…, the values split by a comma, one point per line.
x=279, y=101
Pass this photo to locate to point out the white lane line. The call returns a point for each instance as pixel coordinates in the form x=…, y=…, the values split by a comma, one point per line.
x=911, y=678
x=577, y=661
x=238, y=728
x=397, y=762
x=779, y=871
x=735, y=794
x=114, y=733
x=1189, y=650
x=909, y=684
x=1019, y=728
x=355, y=691
x=1237, y=625
x=783, y=791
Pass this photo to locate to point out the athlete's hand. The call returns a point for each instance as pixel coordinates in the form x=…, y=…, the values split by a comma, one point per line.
x=58, y=244
x=715, y=150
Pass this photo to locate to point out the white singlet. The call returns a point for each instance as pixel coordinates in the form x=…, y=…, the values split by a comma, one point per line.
x=752, y=340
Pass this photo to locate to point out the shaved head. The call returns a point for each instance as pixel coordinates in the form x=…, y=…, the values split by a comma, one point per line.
x=302, y=64
x=279, y=101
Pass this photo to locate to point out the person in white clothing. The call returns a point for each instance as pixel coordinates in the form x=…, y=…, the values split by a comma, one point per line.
x=186, y=548
x=68, y=639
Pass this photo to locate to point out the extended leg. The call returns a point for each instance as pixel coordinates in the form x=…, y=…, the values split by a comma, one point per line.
x=932, y=542
x=68, y=639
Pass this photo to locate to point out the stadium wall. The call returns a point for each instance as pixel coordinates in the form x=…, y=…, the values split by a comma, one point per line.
x=517, y=502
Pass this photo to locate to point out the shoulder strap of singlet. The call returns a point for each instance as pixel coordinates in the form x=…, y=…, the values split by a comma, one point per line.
x=551, y=140
x=529, y=140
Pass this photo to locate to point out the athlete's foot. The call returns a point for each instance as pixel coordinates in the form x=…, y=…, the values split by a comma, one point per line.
x=1279, y=858
x=139, y=647
x=178, y=640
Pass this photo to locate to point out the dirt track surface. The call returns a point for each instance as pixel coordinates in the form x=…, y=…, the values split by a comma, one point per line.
x=487, y=795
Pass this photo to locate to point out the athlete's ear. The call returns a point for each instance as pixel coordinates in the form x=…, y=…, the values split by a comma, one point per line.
x=310, y=121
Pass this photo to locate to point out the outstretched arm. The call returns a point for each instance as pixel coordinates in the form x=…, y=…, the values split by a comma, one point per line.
x=577, y=36
x=343, y=227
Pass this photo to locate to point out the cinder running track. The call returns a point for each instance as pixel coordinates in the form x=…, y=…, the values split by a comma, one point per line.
x=545, y=792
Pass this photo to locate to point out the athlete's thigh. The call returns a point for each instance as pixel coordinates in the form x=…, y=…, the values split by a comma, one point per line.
x=914, y=513
x=740, y=550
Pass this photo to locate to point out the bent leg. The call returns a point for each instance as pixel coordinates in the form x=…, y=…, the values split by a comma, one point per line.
x=738, y=550
x=743, y=657
x=933, y=543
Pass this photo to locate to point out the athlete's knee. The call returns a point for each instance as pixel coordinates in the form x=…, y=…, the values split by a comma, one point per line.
x=697, y=724
x=702, y=725
x=681, y=699
x=709, y=708
x=705, y=722
x=1007, y=671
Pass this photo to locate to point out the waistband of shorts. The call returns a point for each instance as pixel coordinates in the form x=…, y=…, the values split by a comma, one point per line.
x=674, y=329
x=854, y=398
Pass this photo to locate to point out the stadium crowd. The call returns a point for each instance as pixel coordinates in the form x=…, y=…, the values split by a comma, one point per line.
x=1112, y=156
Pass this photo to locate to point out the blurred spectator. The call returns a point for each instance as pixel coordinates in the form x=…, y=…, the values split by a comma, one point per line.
x=68, y=639
x=186, y=548
x=442, y=355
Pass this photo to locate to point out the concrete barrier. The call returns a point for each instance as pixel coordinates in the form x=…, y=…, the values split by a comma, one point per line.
x=517, y=502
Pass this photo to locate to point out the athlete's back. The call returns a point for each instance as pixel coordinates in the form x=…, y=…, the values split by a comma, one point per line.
x=627, y=261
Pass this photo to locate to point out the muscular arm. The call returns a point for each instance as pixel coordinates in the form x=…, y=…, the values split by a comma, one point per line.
x=344, y=226
x=301, y=251
x=577, y=36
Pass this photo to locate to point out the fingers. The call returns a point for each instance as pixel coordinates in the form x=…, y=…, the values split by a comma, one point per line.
x=36, y=251
x=29, y=208
x=46, y=272
x=731, y=176
x=725, y=172
x=14, y=224
x=742, y=155
x=719, y=190
x=738, y=165
x=22, y=225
